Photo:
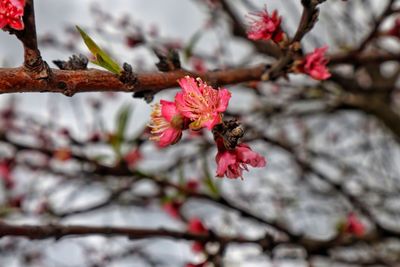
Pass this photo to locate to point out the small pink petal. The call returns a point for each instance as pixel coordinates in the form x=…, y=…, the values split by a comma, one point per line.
x=189, y=85
x=168, y=110
x=224, y=160
x=224, y=97
x=169, y=137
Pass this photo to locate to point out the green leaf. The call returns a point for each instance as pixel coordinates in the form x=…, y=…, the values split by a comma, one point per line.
x=101, y=158
x=188, y=51
x=181, y=174
x=209, y=181
x=122, y=120
x=102, y=58
x=5, y=211
x=119, y=133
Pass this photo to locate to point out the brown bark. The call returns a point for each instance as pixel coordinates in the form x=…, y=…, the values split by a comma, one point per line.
x=17, y=80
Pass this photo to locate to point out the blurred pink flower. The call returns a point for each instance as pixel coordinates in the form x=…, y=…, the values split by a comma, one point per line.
x=198, y=65
x=314, y=64
x=166, y=123
x=195, y=226
x=192, y=185
x=11, y=12
x=265, y=27
x=132, y=157
x=172, y=208
x=395, y=30
x=354, y=226
x=201, y=103
x=231, y=163
x=5, y=174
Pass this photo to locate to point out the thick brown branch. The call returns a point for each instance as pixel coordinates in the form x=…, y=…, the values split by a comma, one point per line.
x=67, y=82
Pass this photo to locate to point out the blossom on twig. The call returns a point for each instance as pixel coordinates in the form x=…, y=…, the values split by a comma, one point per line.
x=11, y=13
x=201, y=103
x=266, y=27
x=314, y=64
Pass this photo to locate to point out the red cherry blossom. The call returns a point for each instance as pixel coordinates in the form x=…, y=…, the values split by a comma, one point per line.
x=5, y=174
x=132, y=157
x=11, y=12
x=172, y=208
x=201, y=103
x=198, y=65
x=231, y=163
x=195, y=226
x=314, y=64
x=395, y=30
x=192, y=185
x=354, y=226
x=166, y=123
x=265, y=26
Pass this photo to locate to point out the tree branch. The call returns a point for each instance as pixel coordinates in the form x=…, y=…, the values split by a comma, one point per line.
x=58, y=231
x=68, y=82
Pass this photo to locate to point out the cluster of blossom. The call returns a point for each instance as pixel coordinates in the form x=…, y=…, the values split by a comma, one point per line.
x=11, y=12
x=200, y=106
x=194, y=225
x=264, y=26
x=353, y=225
x=395, y=30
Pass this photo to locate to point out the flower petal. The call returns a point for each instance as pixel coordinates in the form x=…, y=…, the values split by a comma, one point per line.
x=224, y=96
x=189, y=85
x=168, y=110
x=169, y=137
x=224, y=160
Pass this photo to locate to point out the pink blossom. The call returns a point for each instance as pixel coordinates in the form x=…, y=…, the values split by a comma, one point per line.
x=166, y=123
x=198, y=65
x=395, y=30
x=266, y=27
x=132, y=157
x=172, y=208
x=5, y=174
x=201, y=103
x=195, y=226
x=231, y=163
x=354, y=226
x=11, y=12
x=314, y=64
x=197, y=247
x=192, y=185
